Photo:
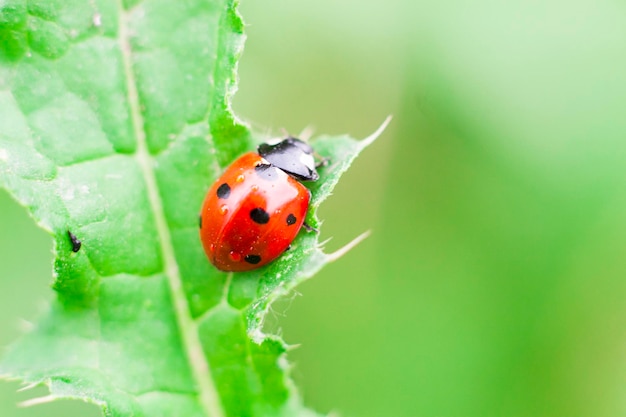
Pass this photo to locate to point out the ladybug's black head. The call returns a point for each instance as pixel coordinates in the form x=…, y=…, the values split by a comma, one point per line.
x=293, y=156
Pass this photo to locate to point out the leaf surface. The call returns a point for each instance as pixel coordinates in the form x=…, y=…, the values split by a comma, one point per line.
x=114, y=121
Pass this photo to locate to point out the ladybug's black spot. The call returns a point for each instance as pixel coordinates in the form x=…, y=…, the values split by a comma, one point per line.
x=76, y=244
x=223, y=191
x=253, y=259
x=267, y=172
x=260, y=216
x=291, y=219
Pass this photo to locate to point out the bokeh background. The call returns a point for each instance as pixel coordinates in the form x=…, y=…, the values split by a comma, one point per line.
x=494, y=282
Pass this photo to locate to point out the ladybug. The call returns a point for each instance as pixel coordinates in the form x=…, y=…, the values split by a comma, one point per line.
x=256, y=208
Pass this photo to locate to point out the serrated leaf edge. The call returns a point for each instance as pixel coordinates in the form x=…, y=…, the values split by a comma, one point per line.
x=256, y=332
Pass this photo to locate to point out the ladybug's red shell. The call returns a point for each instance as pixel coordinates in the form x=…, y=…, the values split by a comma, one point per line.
x=251, y=214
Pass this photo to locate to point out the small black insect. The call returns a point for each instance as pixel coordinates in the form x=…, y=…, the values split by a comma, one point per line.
x=76, y=243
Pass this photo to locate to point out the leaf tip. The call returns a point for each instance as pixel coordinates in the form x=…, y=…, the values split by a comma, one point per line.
x=291, y=347
x=37, y=401
x=324, y=242
x=24, y=325
x=346, y=248
x=28, y=387
x=371, y=138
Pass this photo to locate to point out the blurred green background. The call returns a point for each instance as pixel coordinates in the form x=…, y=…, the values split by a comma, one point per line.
x=494, y=283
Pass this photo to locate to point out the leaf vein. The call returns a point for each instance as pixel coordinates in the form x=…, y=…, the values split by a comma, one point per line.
x=207, y=391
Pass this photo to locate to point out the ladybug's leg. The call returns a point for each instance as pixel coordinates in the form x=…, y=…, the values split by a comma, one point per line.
x=323, y=161
x=309, y=228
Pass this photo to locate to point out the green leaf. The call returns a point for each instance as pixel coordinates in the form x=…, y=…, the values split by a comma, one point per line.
x=114, y=121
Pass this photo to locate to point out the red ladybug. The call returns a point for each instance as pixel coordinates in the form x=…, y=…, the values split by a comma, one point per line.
x=254, y=211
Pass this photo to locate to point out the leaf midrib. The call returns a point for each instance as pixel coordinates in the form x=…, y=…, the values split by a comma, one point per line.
x=207, y=391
